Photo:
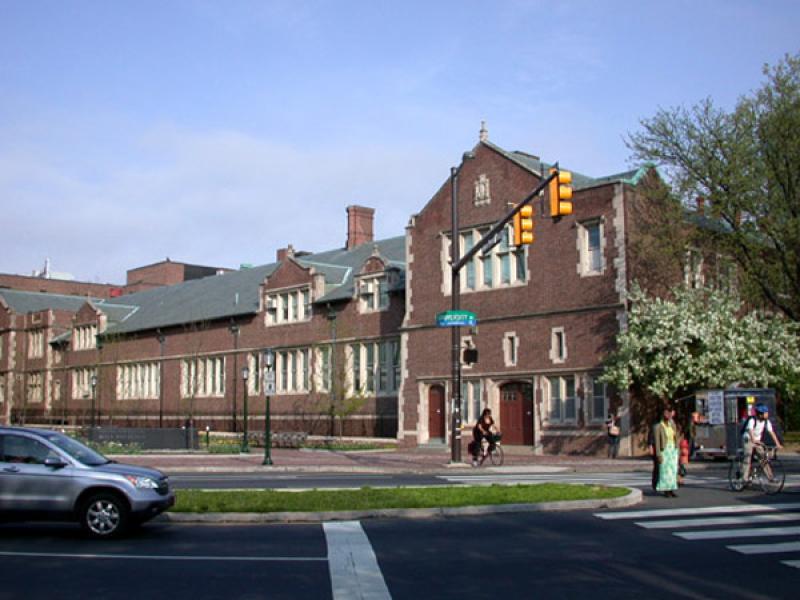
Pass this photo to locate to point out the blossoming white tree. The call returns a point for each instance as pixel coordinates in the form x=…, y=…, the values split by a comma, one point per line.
x=701, y=338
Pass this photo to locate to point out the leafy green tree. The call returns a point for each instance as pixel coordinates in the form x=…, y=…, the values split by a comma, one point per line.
x=745, y=165
x=700, y=339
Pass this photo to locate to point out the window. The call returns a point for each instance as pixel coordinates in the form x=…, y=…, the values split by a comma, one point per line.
x=82, y=382
x=2, y=389
x=324, y=369
x=371, y=365
x=139, y=381
x=85, y=337
x=726, y=275
x=2, y=345
x=590, y=242
x=24, y=450
x=292, y=370
x=693, y=270
x=288, y=307
x=599, y=401
x=203, y=377
x=558, y=345
x=471, y=401
x=500, y=266
x=373, y=294
x=254, y=380
x=36, y=343
x=510, y=347
x=35, y=389
x=562, y=405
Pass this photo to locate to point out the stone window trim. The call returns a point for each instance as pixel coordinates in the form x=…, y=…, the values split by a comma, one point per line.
x=139, y=381
x=594, y=399
x=510, y=349
x=288, y=305
x=589, y=264
x=507, y=265
x=372, y=291
x=558, y=345
x=561, y=408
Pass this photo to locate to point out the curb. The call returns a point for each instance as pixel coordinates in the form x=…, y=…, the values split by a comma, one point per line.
x=632, y=498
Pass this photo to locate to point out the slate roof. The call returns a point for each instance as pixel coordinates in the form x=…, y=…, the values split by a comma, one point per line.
x=236, y=293
x=22, y=302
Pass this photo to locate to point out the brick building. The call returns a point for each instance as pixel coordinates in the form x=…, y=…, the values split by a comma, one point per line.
x=353, y=329
x=548, y=313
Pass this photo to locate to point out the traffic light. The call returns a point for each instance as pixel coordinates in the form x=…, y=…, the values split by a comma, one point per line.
x=560, y=190
x=523, y=226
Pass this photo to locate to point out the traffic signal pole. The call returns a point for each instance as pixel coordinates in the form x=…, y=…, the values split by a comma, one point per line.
x=457, y=261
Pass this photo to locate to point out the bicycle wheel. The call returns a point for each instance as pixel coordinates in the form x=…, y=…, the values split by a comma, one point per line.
x=735, y=480
x=496, y=455
x=772, y=483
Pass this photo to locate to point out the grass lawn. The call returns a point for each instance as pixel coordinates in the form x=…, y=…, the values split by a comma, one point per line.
x=265, y=501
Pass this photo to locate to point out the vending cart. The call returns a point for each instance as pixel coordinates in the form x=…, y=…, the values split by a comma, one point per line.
x=720, y=417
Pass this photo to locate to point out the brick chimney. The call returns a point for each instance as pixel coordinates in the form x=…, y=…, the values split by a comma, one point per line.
x=284, y=253
x=359, y=225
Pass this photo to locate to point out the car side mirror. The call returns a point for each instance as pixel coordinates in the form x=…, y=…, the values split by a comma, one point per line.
x=54, y=462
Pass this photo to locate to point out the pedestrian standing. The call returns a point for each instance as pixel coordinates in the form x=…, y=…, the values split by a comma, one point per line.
x=665, y=435
x=612, y=428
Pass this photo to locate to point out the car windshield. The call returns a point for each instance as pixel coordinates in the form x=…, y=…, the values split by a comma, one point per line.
x=78, y=451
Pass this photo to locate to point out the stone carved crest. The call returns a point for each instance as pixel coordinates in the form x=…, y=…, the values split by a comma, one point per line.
x=482, y=192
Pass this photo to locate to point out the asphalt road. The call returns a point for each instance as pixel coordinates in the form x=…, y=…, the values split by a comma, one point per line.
x=709, y=478
x=557, y=555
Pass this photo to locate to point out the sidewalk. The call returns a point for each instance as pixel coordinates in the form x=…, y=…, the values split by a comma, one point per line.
x=390, y=461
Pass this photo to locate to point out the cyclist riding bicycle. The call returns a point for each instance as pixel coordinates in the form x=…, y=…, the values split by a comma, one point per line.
x=482, y=430
x=752, y=438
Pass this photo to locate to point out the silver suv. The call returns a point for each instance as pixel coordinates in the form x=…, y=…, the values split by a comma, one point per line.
x=46, y=475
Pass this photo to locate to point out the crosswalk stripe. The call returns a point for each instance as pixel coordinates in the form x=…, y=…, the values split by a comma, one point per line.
x=792, y=563
x=766, y=548
x=669, y=512
x=718, y=534
x=741, y=520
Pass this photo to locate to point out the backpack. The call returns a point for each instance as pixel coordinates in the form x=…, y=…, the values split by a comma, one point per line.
x=745, y=423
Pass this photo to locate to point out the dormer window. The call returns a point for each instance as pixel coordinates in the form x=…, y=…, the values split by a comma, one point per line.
x=373, y=293
x=85, y=337
x=288, y=306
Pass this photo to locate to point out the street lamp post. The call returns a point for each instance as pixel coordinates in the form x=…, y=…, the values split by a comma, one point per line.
x=245, y=441
x=93, y=422
x=269, y=389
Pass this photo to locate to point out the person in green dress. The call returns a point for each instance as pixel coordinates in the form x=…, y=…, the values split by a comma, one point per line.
x=665, y=434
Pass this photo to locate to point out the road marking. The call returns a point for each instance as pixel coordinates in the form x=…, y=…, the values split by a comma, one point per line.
x=792, y=563
x=171, y=557
x=680, y=523
x=670, y=512
x=352, y=562
x=766, y=548
x=718, y=534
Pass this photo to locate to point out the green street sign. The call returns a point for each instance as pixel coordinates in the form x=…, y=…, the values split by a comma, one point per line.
x=456, y=318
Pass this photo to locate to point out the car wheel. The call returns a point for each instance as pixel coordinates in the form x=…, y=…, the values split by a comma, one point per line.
x=104, y=515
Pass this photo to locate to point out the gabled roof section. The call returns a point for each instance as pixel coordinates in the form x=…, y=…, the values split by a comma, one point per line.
x=392, y=250
x=30, y=302
x=215, y=297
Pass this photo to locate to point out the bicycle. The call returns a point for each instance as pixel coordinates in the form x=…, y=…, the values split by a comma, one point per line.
x=492, y=450
x=767, y=471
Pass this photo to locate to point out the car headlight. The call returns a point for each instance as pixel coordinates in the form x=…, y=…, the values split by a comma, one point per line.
x=142, y=482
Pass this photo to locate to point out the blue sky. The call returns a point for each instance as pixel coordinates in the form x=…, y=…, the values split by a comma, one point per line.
x=216, y=132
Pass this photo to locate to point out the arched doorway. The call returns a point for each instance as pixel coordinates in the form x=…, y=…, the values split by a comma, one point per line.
x=516, y=413
x=436, y=414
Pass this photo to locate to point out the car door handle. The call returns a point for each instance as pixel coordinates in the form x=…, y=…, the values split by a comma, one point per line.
x=11, y=469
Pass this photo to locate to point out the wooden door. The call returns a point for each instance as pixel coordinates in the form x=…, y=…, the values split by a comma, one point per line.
x=516, y=414
x=436, y=412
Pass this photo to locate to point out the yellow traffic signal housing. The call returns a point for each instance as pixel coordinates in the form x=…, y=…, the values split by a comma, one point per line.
x=560, y=190
x=523, y=226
